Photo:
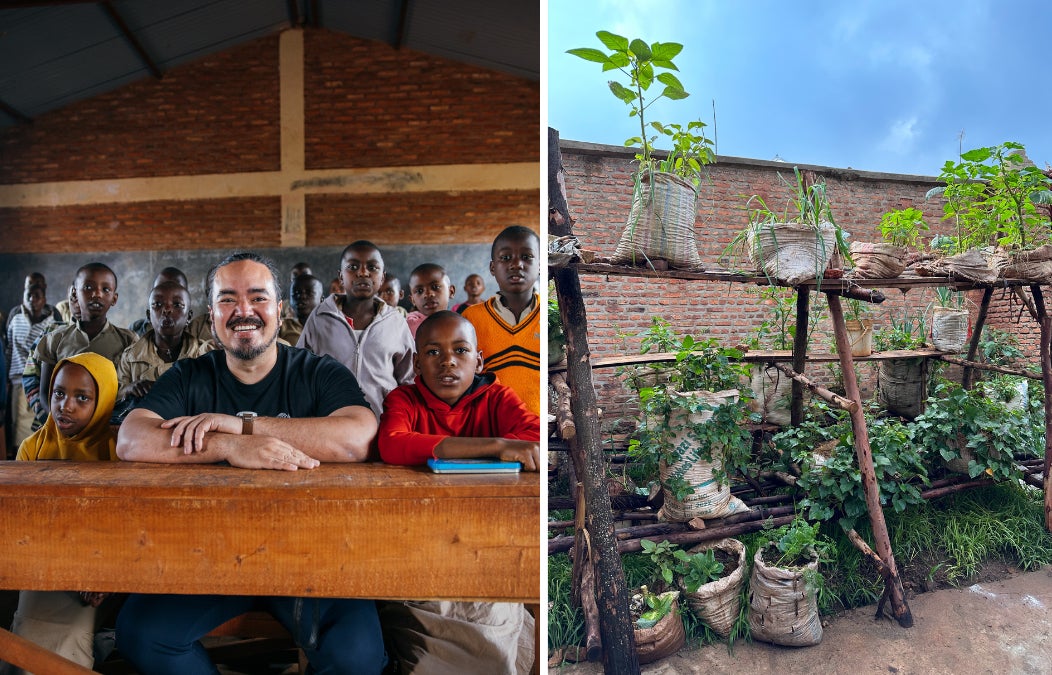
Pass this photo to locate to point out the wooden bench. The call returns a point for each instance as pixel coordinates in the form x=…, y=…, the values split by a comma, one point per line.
x=341, y=530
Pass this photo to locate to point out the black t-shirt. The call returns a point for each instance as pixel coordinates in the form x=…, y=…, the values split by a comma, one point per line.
x=301, y=384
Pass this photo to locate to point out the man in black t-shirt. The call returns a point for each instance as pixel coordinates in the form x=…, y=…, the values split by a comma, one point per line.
x=254, y=404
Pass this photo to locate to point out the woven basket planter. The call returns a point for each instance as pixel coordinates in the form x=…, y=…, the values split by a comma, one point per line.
x=949, y=329
x=661, y=224
x=791, y=252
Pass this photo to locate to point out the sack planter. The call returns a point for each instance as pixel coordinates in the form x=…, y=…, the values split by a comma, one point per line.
x=772, y=395
x=902, y=386
x=718, y=603
x=664, y=638
x=790, y=252
x=783, y=607
x=877, y=260
x=949, y=329
x=661, y=224
x=709, y=498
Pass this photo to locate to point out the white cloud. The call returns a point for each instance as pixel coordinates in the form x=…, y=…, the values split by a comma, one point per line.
x=902, y=137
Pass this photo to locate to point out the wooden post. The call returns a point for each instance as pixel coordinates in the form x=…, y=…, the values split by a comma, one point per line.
x=893, y=582
x=615, y=621
x=803, y=309
x=1046, y=379
x=968, y=378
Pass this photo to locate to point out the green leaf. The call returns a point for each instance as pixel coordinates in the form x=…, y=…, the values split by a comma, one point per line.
x=618, y=60
x=670, y=80
x=674, y=94
x=589, y=54
x=665, y=51
x=977, y=155
x=613, y=41
x=640, y=49
x=622, y=92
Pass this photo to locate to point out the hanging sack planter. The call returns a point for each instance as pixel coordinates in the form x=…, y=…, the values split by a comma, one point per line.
x=972, y=265
x=664, y=638
x=902, y=386
x=949, y=328
x=860, y=336
x=661, y=223
x=709, y=497
x=772, y=395
x=791, y=252
x=783, y=607
x=1035, y=265
x=877, y=260
x=718, y=603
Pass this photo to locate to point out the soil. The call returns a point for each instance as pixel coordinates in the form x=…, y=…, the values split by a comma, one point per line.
x=999, y=622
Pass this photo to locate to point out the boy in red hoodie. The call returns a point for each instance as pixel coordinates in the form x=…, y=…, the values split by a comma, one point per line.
x=455, y=410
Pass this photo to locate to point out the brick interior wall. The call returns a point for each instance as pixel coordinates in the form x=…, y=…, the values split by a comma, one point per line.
x=599, y=189
x=372, y=105
x=366, y=105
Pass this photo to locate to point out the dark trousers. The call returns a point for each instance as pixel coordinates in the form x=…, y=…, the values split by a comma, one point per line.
x=160, y=634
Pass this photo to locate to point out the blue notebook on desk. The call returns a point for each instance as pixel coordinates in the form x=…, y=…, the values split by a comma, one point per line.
x=473, y=466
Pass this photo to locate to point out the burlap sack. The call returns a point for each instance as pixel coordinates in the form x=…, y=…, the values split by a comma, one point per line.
x=902, y=386
x=665, y=638
x=791, y=252
x=1033, y=265
x=972, y=265
x=877, y=260
x=949, y=329
x=718, y=603
x=710, y=498
x=783, y=608
x=661, y=224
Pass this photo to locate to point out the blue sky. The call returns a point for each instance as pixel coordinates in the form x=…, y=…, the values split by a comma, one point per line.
x=876, y=85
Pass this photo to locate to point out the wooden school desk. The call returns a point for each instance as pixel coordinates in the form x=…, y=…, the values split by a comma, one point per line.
x=340, y=530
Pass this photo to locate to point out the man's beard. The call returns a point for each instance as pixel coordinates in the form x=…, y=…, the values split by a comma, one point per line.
x=243, y=353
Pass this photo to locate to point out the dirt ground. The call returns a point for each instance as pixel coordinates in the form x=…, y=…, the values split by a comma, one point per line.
x=994, y=627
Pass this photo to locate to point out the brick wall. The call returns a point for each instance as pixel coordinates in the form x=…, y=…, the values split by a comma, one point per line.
x=366, y=105
x=216, y=115
x=599, y=189
x=372, y=105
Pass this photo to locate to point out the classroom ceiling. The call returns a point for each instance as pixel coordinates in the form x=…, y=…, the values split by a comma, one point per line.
x=56, y=52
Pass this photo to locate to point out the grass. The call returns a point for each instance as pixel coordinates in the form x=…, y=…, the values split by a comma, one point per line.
x=947, y=540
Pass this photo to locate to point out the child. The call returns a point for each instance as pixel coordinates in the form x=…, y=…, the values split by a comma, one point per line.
x=166, y=341
x=431, y=292
x=361, y=331
x=26, y=324
x=474, y=286
x=508, y=324
x=391, y=292
x=94, y=293
x=455, y=410
x=304, y=297
x=83, y=390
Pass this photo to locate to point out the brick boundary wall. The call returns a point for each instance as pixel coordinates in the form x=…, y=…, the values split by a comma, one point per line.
x=599, y=190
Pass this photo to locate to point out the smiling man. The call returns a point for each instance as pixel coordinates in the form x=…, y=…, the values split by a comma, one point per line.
x=254, y=404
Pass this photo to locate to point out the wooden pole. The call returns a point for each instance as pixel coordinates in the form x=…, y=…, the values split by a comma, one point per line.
x=893, y=582
x=968, y=378
x=803, y=310
x=615, y=621
x=1046, y=379
x=30, y=656
x=974, y=365
x=832, y=397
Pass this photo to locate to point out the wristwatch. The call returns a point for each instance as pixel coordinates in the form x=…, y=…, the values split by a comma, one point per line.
x=247, y=418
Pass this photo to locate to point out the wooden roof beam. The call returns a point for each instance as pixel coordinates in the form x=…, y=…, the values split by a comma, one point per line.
x=15, y=114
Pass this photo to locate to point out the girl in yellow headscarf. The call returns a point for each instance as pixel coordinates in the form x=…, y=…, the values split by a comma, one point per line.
x=83, y=391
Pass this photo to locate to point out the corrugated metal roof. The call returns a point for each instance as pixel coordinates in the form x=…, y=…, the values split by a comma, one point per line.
x=53, y=53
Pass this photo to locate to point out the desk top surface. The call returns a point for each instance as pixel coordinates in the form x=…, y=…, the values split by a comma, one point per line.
x=370, y=480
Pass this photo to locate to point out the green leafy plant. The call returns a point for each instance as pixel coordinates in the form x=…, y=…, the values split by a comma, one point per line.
x=999, y=348
x=663, y=555
x=833, y=488
x=646, y=65
x=777, y=329
x=796, y=545
x=958, y=422
x=993, y=196
x=905, y=333
x=658, y=606
x=948, y=298
x=902, y=227
x=698, y=569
